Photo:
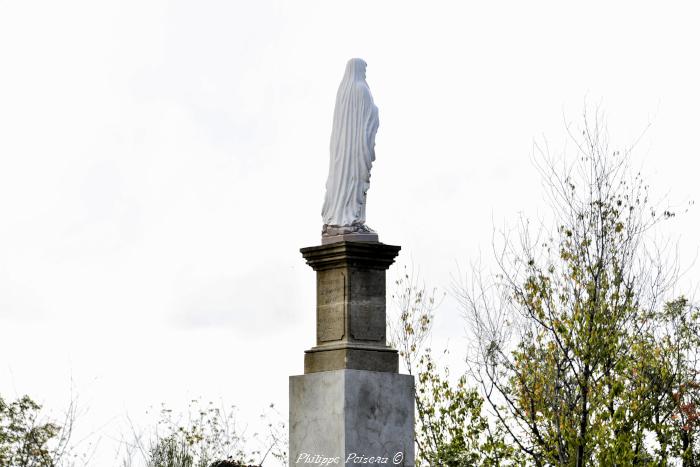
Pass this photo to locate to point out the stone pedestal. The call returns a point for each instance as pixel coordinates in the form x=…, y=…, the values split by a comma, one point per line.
x=351, y=417
x=351, y=406
x=351, y=307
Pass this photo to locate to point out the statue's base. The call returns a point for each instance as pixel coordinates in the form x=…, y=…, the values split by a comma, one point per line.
x=351, y=306
x=350, y=237
x=348, y=417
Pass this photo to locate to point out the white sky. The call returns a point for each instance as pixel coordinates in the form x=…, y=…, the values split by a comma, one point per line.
x=161, y=164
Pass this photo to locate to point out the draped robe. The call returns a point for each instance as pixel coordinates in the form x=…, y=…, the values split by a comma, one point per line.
x=355, y=123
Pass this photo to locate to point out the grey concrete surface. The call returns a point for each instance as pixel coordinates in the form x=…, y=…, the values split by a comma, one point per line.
x=351, y=417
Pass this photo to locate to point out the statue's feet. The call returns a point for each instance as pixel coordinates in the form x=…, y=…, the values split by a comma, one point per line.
x=348, y=233
x=362, y=228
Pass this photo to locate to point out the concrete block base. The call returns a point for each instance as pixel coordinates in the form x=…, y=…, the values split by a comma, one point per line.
x=351, y=417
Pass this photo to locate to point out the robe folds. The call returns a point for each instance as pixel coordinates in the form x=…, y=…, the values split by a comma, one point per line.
x=355, y=123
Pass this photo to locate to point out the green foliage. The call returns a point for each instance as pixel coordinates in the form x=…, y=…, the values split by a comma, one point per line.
x=415, y=305
x=173, y=451
x=24, y=439
x=451, y=430
x=207, y=436
x=450, y=427
x=574, y=356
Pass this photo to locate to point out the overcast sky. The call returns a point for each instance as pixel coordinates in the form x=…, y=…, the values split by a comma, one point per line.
x=162, y=162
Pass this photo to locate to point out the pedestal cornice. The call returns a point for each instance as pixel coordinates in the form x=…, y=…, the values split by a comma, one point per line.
x=372, y=255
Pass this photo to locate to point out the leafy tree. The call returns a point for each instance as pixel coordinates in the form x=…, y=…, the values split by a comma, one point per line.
x=450, y=428
x=28, y=441
x=575, y=359
x=666, y=376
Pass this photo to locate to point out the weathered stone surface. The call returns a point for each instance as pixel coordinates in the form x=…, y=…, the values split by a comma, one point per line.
x=367, y=305
x=366, y=254
x=349, y=237
x=331, y=305
x=316, y=412
x=349, y=415
x=372, y=359
x=351, y=307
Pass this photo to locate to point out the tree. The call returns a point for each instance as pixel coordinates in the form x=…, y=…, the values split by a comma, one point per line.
x=666, y=373
x=28, y=441
x=573, y=353
x=450, y=428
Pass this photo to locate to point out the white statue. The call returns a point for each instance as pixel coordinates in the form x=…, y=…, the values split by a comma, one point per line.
x=355, y=123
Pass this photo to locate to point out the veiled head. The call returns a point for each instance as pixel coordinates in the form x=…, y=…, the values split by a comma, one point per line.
x=355, y=70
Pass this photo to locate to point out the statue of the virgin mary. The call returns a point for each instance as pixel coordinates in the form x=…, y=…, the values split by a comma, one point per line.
x=355, y=123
